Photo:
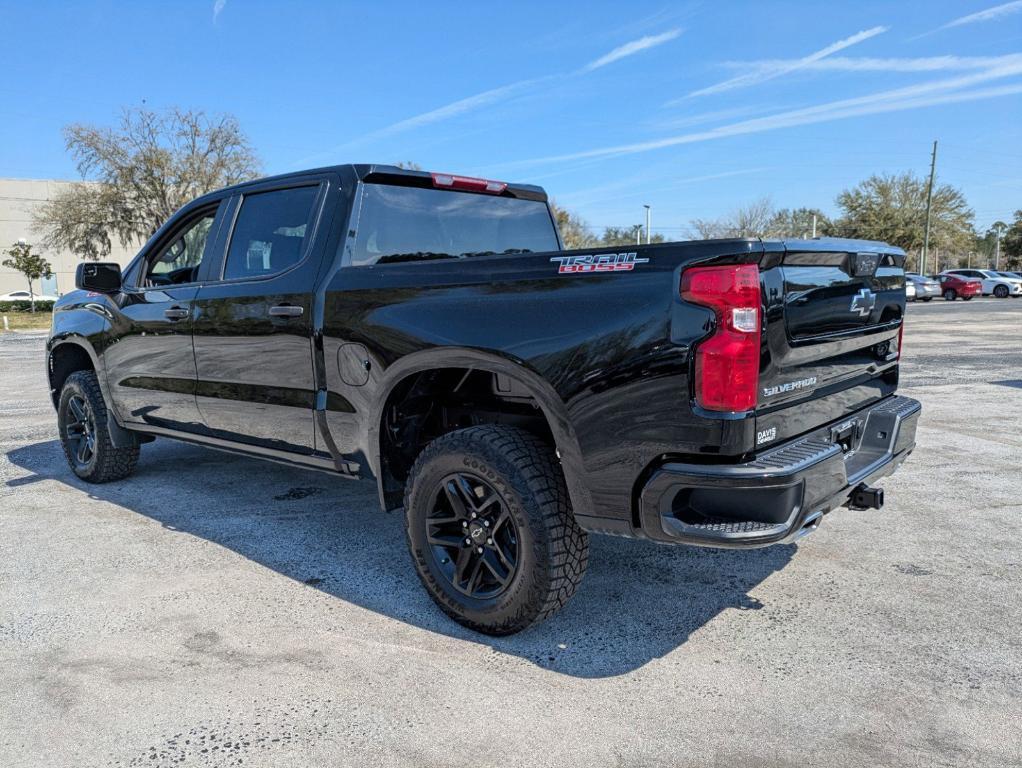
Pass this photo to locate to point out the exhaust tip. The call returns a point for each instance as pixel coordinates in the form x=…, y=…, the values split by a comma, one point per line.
x=864, y=497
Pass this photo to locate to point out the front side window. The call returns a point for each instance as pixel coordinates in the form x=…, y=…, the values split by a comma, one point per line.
x=178, y=262
x=271, y=232
x=398, y=224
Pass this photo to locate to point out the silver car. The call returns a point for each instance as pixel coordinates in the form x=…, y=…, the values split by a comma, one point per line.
x=926, y=287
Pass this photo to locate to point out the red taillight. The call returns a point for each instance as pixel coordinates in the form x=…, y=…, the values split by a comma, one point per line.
x=901, y=334
x=468, y=183
x=727, y=363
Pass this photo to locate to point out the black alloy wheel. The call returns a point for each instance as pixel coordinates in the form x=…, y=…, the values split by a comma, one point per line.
x=472, y=536
x=80, y=431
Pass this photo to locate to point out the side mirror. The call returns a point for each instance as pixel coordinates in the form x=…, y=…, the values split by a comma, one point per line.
x=101, y=278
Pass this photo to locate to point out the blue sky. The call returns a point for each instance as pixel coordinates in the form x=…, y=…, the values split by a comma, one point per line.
x=692, y=107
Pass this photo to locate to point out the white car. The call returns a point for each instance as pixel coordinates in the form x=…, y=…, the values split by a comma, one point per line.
x=999, y=284
x=25, y=296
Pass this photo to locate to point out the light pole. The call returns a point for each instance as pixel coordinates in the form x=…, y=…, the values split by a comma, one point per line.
x=648, y=215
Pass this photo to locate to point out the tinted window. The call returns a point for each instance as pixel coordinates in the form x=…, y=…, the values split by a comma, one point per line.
x=411, y=224
x=178, y=262
x=270, y=232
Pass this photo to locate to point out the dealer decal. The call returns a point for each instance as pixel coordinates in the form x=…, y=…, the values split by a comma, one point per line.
x=598, y=262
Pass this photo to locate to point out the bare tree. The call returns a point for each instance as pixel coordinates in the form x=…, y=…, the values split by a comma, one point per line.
x=752, y=220
x=142, y=171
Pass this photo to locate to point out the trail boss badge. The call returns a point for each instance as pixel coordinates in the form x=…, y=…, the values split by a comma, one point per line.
x=598, y=262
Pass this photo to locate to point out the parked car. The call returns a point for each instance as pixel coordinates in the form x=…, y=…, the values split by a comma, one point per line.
x=427, y=332
x=955, y=286
x=998, y=284
x=26, y=296
x=1011, y=276
x=926, y=288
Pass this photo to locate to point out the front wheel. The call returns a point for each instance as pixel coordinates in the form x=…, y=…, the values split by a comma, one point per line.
x=1001, y=291
x=491, y=530
x=950, y=295
x=82, y=422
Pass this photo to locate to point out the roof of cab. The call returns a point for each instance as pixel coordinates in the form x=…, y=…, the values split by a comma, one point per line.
x=379, y=172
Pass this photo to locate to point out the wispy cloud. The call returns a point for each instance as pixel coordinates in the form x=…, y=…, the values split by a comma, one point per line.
x=632, y=48
x=845, y=64
x=490, y=97
x=946, y=91
x=762, y=75
x=988, y=15
x=456, y=108
x=639, y=186
x=218, y=6
x=688, y=119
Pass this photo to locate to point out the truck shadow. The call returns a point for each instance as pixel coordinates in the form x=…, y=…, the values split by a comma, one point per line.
x=639, y=601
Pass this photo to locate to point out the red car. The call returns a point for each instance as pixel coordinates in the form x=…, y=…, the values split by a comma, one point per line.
x=953, y=287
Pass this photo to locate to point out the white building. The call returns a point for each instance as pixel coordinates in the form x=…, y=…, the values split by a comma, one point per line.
x=18, y=199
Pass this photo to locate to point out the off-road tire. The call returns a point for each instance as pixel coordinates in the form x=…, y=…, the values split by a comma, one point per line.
x=106, y=462
x=552, y=549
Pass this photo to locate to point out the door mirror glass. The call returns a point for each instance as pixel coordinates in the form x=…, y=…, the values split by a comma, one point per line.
x=100, y=278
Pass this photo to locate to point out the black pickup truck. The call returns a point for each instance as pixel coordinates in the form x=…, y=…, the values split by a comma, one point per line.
x=428, y=331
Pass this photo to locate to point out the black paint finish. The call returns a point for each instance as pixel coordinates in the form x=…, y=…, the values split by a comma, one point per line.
x=606, y=358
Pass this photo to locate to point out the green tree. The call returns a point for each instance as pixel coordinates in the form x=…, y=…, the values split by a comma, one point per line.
x=573, y=228
x=142, y=171
x=1011, y=243
x=32, y=265
x=798, y=223
x=998, y=230
x=627, y=236
x=893, y=209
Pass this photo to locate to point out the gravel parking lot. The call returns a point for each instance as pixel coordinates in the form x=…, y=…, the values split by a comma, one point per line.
x=217, y=610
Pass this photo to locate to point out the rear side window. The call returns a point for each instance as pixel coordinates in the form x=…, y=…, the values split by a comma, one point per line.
x=398, y=224
x=271, y=232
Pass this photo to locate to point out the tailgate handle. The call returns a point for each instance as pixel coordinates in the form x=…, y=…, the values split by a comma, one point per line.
x=286, y=310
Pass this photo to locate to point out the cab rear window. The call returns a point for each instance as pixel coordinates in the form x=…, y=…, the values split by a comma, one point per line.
x=402, y=224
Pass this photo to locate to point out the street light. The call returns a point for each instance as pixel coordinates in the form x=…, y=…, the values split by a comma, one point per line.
x=647, y=223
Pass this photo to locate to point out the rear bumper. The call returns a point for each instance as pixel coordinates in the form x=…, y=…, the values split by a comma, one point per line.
x=782, y=493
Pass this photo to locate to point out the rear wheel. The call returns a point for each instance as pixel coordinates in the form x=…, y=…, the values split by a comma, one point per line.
x=82, y=422
x=1001, y=291
x=490, y=529
x=950, y=294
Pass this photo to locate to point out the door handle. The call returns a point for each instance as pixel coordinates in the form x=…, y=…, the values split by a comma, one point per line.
x=175, y=313
x=286, y=310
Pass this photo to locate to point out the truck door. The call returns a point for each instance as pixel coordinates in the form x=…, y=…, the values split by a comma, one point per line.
x=150, y=368
x=253, y=323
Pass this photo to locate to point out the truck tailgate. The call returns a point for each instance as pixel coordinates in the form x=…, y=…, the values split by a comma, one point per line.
x=834, y=310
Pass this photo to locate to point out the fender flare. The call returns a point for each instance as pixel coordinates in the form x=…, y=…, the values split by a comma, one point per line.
x=554, y=410
x=119, y=436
